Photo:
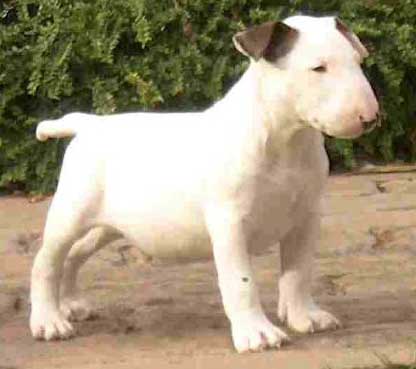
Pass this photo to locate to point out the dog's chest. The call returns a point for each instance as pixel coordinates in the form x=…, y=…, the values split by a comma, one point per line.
x=279, y=198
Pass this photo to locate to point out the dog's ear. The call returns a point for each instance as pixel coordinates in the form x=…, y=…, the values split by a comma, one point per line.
x=269, y=40
x=352, y=38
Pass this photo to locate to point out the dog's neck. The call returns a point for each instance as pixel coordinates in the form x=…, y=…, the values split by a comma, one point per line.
x=266, y=128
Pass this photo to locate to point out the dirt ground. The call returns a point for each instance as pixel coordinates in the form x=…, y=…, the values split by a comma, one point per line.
x=153, y=316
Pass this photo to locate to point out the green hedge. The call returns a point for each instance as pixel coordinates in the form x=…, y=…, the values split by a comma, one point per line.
x=58, y=56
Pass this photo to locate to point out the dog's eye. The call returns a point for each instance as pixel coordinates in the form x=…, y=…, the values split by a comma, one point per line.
x=320, y=69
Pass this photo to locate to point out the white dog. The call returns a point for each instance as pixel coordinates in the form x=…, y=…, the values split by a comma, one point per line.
x=246, y=174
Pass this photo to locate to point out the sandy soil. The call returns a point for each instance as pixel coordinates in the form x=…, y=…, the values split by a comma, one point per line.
x=152, y=316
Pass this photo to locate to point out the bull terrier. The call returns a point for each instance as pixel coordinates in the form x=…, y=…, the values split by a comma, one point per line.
x=246, y=174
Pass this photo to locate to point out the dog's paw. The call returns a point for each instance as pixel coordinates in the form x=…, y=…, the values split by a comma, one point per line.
x=252, y=331
x=310, y=320
x=75, y=309
x=50, y=325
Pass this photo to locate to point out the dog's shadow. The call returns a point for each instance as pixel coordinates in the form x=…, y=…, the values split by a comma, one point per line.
x=373, y=319
x=368, y=321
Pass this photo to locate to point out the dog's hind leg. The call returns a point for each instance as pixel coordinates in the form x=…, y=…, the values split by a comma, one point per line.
x=64, y=227
x=73, y=212
x=71, y=304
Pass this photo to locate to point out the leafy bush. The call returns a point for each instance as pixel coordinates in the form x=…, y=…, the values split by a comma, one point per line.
x=110, y=56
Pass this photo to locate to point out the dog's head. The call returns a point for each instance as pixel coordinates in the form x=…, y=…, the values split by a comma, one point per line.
x=314, y=66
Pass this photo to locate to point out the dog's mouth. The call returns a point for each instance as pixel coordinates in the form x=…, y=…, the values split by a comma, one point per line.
x=371, y=126
x=342, y=134
x=360, y=130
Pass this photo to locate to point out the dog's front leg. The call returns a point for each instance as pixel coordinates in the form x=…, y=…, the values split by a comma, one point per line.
x=251, y=330
x=296, y=305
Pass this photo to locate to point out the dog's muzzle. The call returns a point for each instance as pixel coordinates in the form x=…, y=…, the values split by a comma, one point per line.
x=370, y=125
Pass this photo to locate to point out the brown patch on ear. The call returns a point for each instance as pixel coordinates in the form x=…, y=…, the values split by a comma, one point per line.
x=352, y=38
x=281, y=42
x=269, y=40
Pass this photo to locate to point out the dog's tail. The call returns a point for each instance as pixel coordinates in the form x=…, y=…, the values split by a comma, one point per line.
x=67, y=126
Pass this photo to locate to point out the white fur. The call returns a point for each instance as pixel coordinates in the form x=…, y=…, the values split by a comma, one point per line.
x=238, y=178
